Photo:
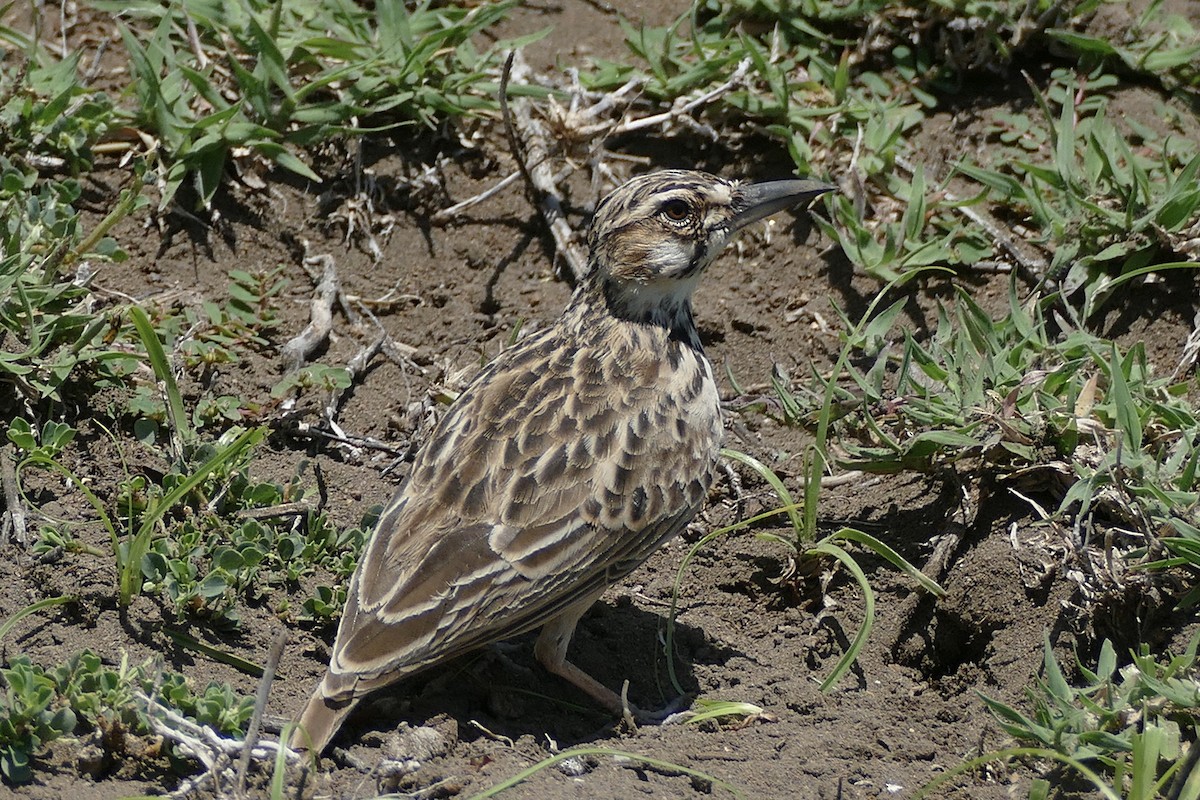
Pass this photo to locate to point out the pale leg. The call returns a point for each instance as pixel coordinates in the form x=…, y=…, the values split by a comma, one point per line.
x=551, y=651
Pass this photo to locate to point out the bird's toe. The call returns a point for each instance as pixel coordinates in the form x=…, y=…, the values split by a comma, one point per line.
x=673, y=712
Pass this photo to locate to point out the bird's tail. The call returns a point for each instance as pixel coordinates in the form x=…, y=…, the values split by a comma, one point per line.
x=320, y=721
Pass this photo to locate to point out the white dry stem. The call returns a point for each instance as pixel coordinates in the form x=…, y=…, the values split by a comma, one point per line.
x=296, y=351
x=260, y=707
x=193, y=37
x=587, y=118
x=588, y=122
x=682, y=109
x=14, y=529
x=355, y=367
x=398, y=353
x=495, y=737
x=1037, y=507
x=1191, y=350
x=536, y=142
x=447, y=214
x=351, y=440
x=450, y=213
x=853, y=476
x=218, y=754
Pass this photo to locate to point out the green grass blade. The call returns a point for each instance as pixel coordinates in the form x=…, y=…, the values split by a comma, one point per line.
x=853, y=337
x=1056, y=682
x=669, y=639
x=237, y=662
x=771, y=478
x=1018, y=752
x=166, y=376
x=1147, y=746
x=1126, y=410
x=890, y=555
x=814, y=470
x=33, y=608
x=847, y=660
x=279, y=769
x=140, y=544
x=1125, y=277
x=1191, y=784
x=715, y=709
x=93, y=500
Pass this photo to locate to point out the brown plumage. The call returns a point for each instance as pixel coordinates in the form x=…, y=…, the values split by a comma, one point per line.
x=566, y=462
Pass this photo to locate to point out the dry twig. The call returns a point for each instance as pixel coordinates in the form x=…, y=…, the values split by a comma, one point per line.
x=296, y=351
x=260, y=704
x=13, y=529
x=355, y=367
x=534, y=165
x=1191, y=350
x=365, y=442
x=204, y=744
x=447, y=214
x=681, y=110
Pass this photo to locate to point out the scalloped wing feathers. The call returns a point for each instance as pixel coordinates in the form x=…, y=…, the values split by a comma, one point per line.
x=559, y=470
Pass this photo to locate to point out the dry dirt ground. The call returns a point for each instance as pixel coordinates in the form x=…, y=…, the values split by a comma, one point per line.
x=747, y=630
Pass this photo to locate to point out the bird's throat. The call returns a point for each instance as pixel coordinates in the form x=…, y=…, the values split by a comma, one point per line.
x=668, y=307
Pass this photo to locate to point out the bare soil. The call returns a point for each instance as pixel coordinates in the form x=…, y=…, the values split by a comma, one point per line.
x=748, y=629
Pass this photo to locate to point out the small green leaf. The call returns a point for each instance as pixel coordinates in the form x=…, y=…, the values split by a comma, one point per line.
x=20, y=433
x=213, y=586
x=1126, y=410
x=1055, y=682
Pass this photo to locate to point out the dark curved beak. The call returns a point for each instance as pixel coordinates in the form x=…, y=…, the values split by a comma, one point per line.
x=755, y=201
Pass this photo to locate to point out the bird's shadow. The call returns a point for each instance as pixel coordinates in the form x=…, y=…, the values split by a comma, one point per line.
x=502, y=691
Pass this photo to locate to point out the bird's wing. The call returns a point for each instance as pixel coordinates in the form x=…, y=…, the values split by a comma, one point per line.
x=546, y=482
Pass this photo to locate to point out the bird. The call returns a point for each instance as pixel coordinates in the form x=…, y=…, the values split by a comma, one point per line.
x=568, y=460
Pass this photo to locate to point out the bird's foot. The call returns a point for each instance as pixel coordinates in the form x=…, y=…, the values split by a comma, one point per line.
x=670, y=714
x=678, y=710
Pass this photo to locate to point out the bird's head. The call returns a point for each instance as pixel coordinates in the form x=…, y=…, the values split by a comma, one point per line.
x=653, y=237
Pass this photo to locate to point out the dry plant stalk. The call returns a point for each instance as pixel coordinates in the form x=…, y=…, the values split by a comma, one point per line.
x=295, y=352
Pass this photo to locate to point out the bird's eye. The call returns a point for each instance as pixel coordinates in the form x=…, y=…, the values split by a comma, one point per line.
x=676, y=210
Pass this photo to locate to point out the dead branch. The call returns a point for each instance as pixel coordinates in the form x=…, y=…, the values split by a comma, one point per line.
x=205, y=745
x=260, y=704
x=1191, y=350
x=295, y=509
x=533, y=160
x=681, y=110
x=589, y=116
x=296, y=351
x=355, y=367
x=447, y=214
x=366, y=442
x=401, y=354
x=13, y=529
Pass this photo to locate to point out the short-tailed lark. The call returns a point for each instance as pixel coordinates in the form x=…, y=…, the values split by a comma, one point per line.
x=564, y=464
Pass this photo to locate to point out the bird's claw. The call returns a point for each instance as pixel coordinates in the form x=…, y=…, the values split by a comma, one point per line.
x=676, y=711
